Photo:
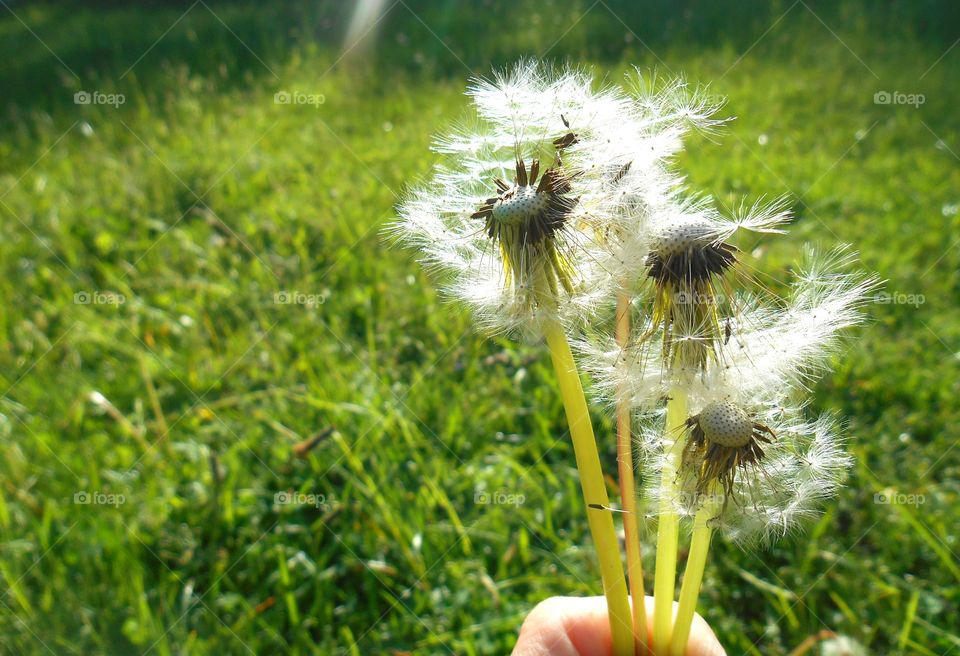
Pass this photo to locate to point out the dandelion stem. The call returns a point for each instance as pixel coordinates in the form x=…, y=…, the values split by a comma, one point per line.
x=628, y=494
x=594, y=490
x=692, y=577
x=668, y=525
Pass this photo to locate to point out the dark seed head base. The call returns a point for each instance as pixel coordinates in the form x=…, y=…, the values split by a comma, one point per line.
x=526, y=220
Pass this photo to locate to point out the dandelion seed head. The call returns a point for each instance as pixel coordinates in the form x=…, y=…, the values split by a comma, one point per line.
x=723, y=442
x=517, y=216
x=521, y=205
x=801, y=468
x=726, y=424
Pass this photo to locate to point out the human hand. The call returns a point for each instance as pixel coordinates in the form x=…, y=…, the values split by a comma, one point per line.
x=579, y=626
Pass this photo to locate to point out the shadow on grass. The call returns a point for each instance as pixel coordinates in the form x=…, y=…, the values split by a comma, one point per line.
x=48, y=51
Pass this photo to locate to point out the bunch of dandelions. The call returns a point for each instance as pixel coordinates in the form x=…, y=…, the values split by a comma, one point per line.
x=556, y=199
x=734, y=451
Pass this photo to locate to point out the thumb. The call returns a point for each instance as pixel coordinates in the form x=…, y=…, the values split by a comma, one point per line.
x=579, y=626
x=566, y=626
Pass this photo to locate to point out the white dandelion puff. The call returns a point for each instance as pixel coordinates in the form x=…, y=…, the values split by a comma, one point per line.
x=762, y=347
x=518, y=213
x=786, y=467
x=747, y=447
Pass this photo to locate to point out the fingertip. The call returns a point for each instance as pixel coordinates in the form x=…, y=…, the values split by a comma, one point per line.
x=587, y=624
x=703, y=641
x=580, y=626
x=566, y=626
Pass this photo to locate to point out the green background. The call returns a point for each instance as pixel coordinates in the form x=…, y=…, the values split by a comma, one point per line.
x=199, y=199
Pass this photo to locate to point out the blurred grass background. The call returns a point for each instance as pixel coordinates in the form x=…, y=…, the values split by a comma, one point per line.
x=199, y=199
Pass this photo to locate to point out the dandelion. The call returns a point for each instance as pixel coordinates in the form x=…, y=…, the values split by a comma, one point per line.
x=690, y=255
x=520, y=217
x=645, y=188
x=723, y=440
x=519, y=212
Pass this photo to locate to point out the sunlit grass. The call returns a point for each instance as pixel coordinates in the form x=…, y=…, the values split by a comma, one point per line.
x=199, y=200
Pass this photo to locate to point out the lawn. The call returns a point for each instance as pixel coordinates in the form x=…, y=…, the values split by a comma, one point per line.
x=202, y=323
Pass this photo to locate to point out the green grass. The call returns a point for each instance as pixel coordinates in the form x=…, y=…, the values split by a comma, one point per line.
x=199, y=199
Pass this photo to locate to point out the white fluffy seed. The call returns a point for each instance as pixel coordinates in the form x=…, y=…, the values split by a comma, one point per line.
x=726, y=424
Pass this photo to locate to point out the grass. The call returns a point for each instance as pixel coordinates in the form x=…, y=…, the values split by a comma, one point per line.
x=199, y=199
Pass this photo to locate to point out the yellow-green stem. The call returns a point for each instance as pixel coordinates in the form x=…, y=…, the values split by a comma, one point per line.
x=692, y=577
x=594, y=490
x=628, y=494
x=668, y=525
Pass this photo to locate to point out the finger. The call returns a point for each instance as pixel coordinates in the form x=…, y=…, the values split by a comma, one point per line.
x=566, y=626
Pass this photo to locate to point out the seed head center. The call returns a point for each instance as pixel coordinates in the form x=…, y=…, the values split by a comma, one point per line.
x=682, y=236
x=519, y=204
x=726, y=424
